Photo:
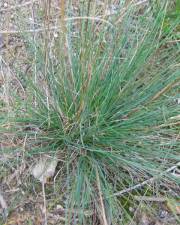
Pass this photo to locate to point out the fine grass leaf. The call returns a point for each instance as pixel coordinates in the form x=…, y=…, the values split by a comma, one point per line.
x=103, y=97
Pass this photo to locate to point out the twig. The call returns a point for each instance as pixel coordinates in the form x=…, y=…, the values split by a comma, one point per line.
x=167, y=125
x=44, y=208
x=3, y=206
x=175, y=117
x=35, y=50
x=150, y=199
x=57, y=27
x=127, y=190
x=165, y=89
x=97, y=18
x=174, y=41
x=28, y=31
x=141, y=2
x=101, y=200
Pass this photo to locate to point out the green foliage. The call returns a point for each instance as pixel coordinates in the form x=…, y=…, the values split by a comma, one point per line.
x=103, y=97
x=172, y=15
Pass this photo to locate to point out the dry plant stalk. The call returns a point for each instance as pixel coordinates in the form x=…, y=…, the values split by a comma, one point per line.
x=104, y=220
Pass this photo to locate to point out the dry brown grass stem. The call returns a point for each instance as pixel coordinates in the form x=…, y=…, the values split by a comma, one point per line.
x=165, y=89
x=99, y=19
x=104, y=220
x=137, y=186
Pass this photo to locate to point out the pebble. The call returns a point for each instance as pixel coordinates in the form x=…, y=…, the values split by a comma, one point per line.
x=5, y=5
x=163, y=214
x=55, y=35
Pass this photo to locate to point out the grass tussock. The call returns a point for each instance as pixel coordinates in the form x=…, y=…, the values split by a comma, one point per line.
x=102, y=95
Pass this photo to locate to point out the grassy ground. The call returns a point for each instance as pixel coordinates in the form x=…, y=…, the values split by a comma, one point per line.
x=95, y=86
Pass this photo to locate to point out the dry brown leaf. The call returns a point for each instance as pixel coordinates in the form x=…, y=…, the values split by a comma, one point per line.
x=44, y=169
x=178, y=209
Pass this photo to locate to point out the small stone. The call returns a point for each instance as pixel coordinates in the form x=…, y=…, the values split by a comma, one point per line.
x=59, y=207
x=131, y=209
x=55, y=35
x=163, y=214
x=5, y=5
